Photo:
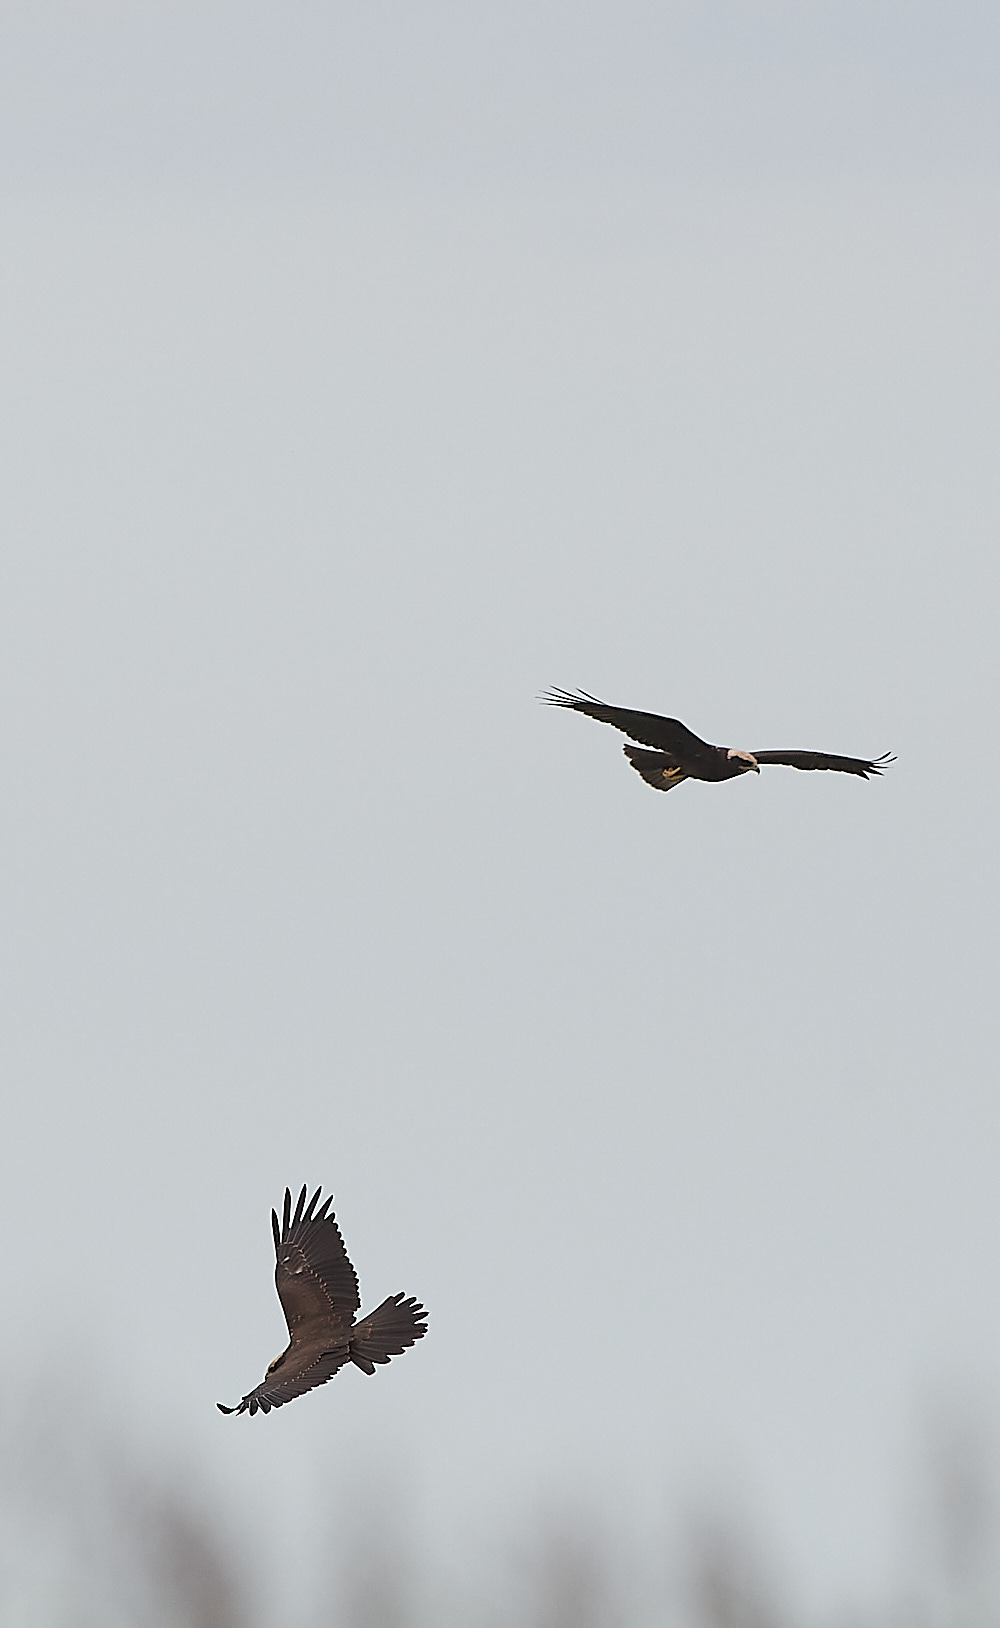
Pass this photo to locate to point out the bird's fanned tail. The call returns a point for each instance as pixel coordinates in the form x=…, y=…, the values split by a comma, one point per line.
x=387, y=1332
x=658, y=769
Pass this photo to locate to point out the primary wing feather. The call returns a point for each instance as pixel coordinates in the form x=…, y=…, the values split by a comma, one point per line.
x=825, y=760
x=648, y=728
x=313, y=1275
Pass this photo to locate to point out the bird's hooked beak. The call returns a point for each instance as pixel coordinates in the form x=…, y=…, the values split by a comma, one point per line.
x=746, y=758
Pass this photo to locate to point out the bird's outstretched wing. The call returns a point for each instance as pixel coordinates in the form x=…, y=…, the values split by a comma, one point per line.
x=293, y=1376
x=658, y=769
x=648, y=728
x=824, y=760
x=313, y=1275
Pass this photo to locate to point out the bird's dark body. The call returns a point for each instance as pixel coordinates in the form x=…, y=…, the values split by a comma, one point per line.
x=318, y=1290
x=680, y=755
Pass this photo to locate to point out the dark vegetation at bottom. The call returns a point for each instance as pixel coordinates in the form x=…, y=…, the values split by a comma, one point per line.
x=90, y=1536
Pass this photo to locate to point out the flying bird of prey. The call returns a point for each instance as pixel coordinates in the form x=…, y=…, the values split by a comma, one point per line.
x=318, y=1290
x=680, y=755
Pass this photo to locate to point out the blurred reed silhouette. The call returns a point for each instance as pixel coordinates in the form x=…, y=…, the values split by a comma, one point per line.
x=92, y=1535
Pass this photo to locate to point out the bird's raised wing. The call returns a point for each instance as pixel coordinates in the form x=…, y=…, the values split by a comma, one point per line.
x=648, y=728
x=824, y=760
x=292, y=1376
x=313, y=1275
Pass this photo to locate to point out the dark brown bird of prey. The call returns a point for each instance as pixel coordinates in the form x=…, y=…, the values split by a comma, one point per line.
x=680, y=755
x=318, y=1290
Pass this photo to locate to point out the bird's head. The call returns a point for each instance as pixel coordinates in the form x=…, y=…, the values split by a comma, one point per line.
x=277, y=1362
x=746, y=761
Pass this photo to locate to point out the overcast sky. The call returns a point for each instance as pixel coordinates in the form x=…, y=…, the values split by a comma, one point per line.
x=368, y=369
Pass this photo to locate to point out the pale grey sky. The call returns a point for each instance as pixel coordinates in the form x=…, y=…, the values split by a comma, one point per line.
x=366, y=372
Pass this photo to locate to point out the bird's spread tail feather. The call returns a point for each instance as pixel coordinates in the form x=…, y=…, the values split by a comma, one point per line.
x=658, y=769
x=387, y=1332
